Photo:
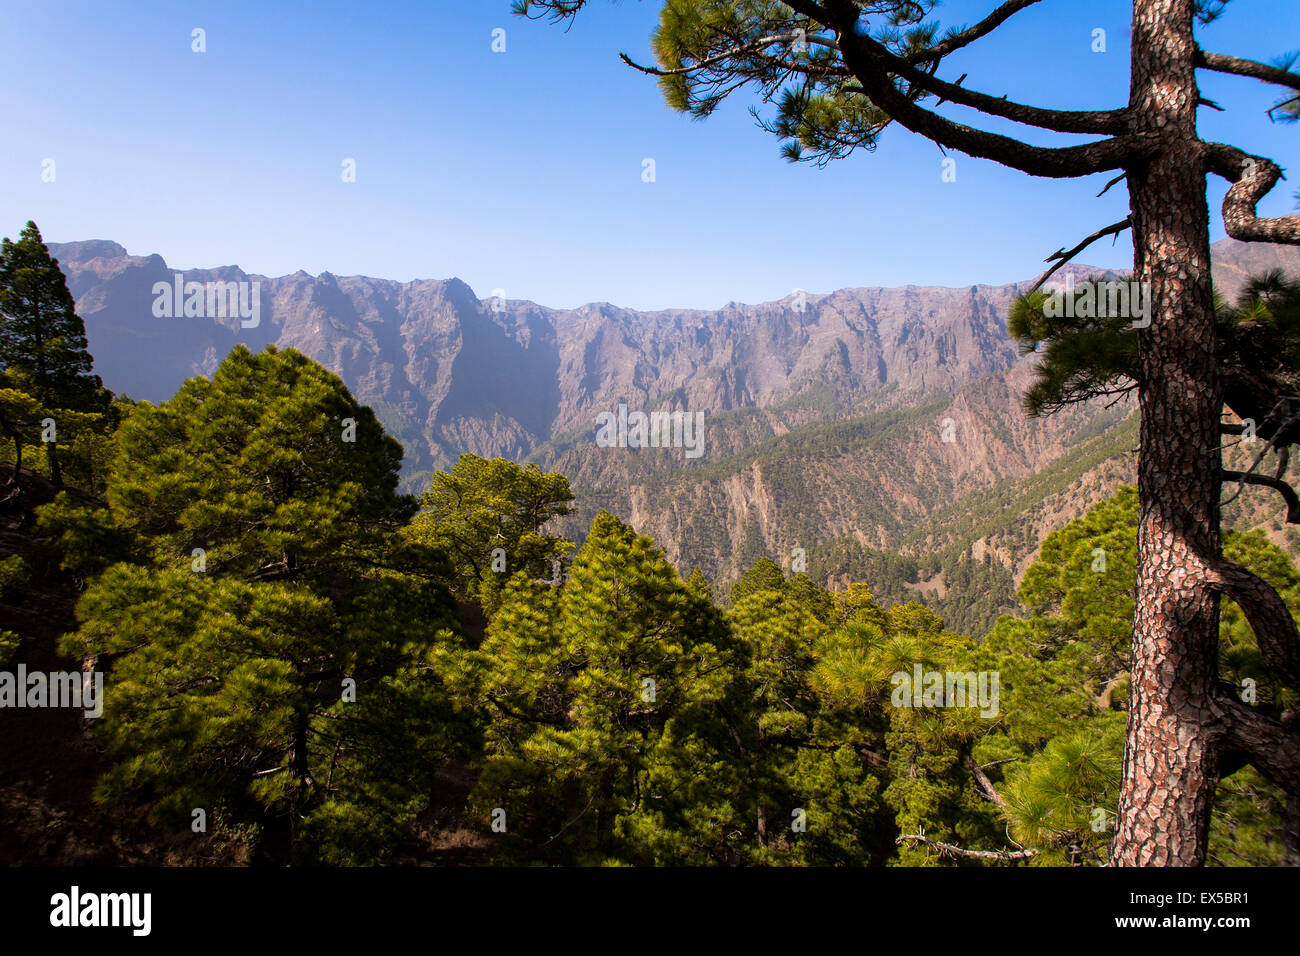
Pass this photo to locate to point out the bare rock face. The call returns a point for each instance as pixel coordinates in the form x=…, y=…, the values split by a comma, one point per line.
x=1234, y=262
x=825, y=413
x=449, y=372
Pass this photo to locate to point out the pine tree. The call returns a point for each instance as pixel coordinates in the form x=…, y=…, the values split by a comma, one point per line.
x=43, y=348
x=275, y=642
x=488, y=515
x=20, y=418
x=764, y=575
x=935, y=800
x=606, y=742
x=813, y=761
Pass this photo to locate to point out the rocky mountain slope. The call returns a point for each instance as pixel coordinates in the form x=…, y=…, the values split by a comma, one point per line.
x=452, y=372
x=862, y=421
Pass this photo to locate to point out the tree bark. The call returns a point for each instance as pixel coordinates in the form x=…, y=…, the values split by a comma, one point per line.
x=1173, y=741
x=17, y=439
x=56, y=473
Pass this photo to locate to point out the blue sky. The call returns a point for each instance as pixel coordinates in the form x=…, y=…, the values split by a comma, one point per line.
x=522, y=170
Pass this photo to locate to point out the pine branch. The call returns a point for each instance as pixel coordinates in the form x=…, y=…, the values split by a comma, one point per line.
x=573, y=821
x=1272, y=745
x=1277, y=484
x=1268, y=616
x=1249, y=476
x=1252, y=178
x=1105, y=189
x=510, y=712
x=948, y=849
x=989, y=792
x=875, y=67
x=1219, y=63
x=1288, y=103
x=744, y=49
x=1062, y=257
x=1061, y=121
x=971, y=34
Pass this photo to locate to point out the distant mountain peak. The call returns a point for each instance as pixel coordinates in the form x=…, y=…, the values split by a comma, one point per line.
x=451, y=372
x=89, y=249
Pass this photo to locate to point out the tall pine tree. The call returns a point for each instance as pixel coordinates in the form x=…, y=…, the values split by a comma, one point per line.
x=274, y=640
x=43, y=349
x=606, y=742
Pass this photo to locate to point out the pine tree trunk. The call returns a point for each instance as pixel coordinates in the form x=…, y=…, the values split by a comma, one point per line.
x=300, y=767
x=1172, y=752
x=758, y=792
x=18, y=459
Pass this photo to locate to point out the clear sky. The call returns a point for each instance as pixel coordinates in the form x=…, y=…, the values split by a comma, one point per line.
x=522, y=170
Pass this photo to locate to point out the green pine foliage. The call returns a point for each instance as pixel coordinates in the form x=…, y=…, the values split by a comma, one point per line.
x=45, y=365
x=817, y=801
x=272, y=635
x=611, y=715
x=1083, y=358
x=15, y=576
x=9, y=644
x=42, y=339
x=1065, y=679
x=606, y=741
x=968, y=593
x=489, y=516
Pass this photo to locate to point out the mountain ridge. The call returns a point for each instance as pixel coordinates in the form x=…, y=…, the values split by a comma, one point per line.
x=825, y=412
